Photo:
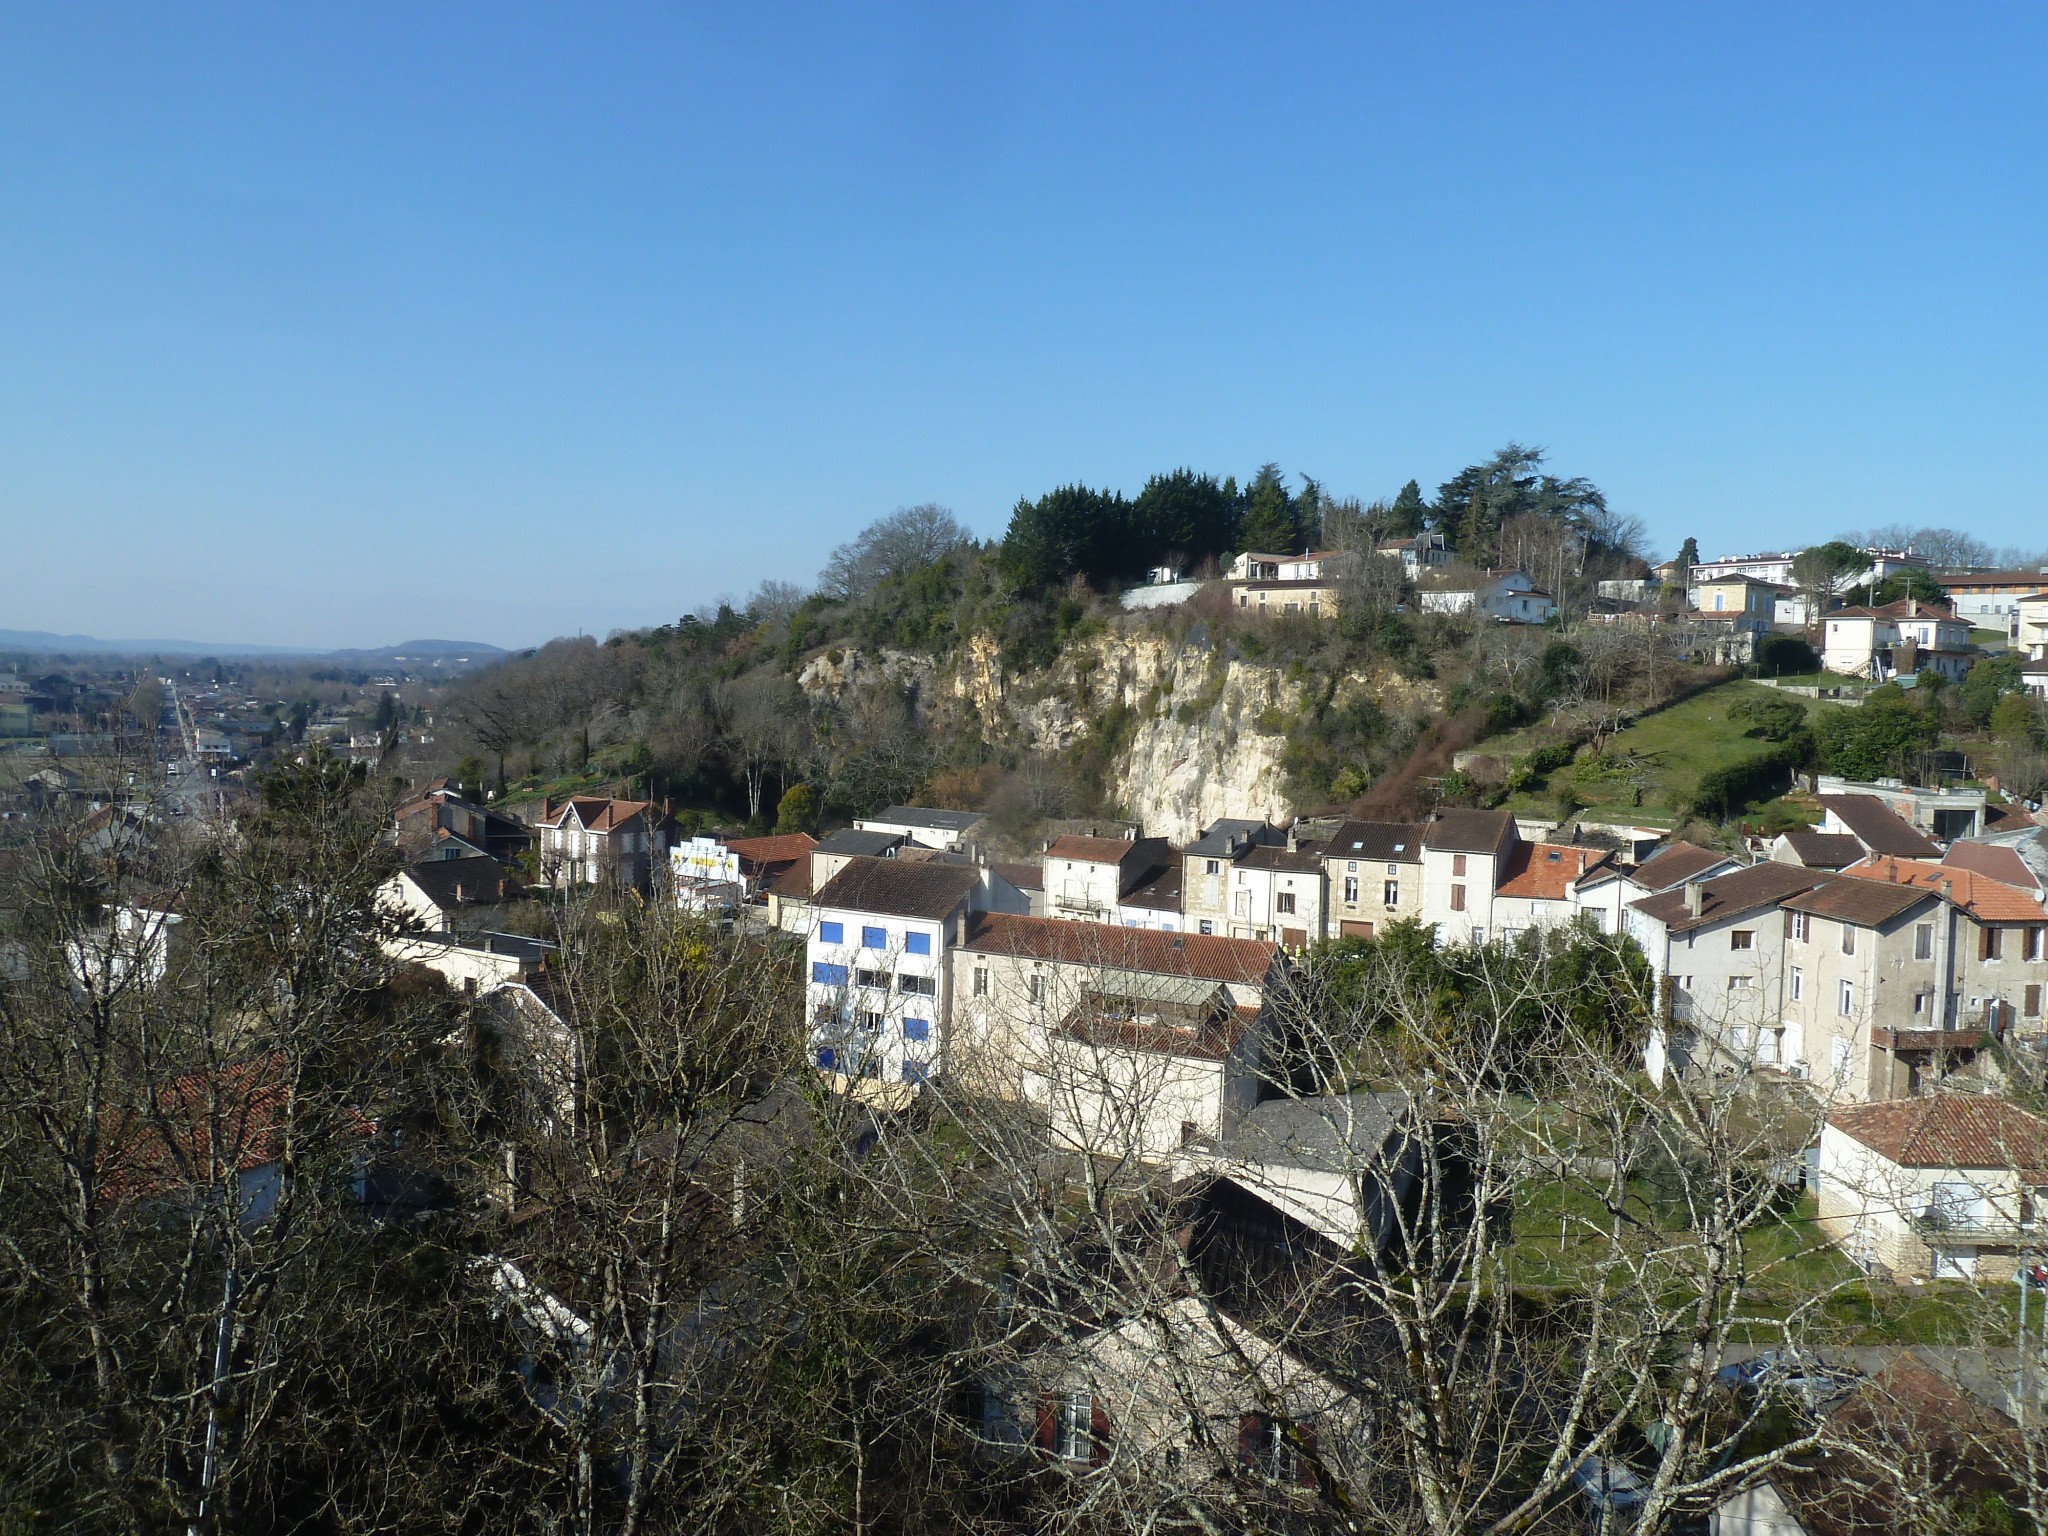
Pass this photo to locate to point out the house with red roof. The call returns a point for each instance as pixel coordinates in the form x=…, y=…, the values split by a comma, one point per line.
x=1134, y=1041
x=1950, y=1185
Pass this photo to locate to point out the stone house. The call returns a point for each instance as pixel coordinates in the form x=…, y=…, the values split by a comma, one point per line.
x=1464, y=854
x=1944, y=1186
x=590, y=840
x=1123, y=1034
x=1372, y=876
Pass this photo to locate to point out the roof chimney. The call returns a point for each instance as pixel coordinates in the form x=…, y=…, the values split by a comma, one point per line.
x=1695, y=898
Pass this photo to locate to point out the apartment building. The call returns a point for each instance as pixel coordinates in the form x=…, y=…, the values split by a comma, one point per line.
x=879, y=957
x=1716, y=948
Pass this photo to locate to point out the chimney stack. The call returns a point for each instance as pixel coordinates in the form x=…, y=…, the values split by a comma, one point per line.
x=1695, y=897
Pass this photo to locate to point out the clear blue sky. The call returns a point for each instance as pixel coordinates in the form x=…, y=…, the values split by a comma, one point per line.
x=350, y=324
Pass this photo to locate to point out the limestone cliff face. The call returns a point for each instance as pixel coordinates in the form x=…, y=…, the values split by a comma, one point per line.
x=1185, y=724
x=1192, y=735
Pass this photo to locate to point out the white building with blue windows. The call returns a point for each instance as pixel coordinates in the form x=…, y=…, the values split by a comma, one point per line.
x=879, y=962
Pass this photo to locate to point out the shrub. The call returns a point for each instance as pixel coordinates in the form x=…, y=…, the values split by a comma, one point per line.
x=1786, y=656
x=1725, y=790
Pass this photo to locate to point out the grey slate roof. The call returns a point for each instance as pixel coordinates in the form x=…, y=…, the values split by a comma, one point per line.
x=1218, y=838
x=922, y=816
x=1335, y=1134
x=1877, y=827
x=865, y=845
x=1387, y=842
x=1462, y=831
x=896, y=888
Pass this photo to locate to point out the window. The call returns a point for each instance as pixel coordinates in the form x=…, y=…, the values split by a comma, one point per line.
x=1272, y=1447
x=1798, y=984
x=874, y=938
x=918, y=986
x=1391, y=896
x=1742, y=938
x=1457, y=864
x=831, y=933
x=1206, y=926
x=1351, y=890
x=1478, y=935
x=917, y=943
x=827, y=1058
x=869, y=1021
x=981, y=981
x=1738, y=983
x=1284, y=902
x=1215, y=867
x=1796, y=926
x=1076, y=1428
x=871, y=979
x=1921, y=1001
x=1848, y=939
x=828, y=975
x=1845, y=1003
x=2037, y=944
x=1457, y=898
x=1037, y=984
x=1990, y=943
x=1923, y=941
x=1393, y=869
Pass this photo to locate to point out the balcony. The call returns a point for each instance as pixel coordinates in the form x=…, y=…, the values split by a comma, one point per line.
x=1948, y=1229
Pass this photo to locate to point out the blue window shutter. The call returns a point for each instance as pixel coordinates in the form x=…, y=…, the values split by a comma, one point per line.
x=914, y=1072
x=874, y=938
x=827, y=1058
x=917, y=1029
x=917, y=944
x=832, y=933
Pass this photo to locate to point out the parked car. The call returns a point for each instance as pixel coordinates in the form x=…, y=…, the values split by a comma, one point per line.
x=1789, y=1374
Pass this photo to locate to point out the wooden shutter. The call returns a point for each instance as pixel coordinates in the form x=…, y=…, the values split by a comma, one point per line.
x=1048, y=1425
x=1304, y=1455
x=1099, y=1433
x=1248, y=1427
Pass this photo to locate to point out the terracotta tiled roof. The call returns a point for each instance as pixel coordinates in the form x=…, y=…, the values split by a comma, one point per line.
x=1824, y=850
x=1090, y=850
x=899, y=889
x=175, y=1145
x=781, y=849
x=1949, y=1130
x=1728, y=896
x=1211, y=1040
x=1992, y=901
x=1461, y=831
x=1676, y=865
x=1026, y=877
x=1547, y=871
x=1204, y=956
x=1995, y=860
x=1866, y=903
x=1873, y=824
x=597, y=814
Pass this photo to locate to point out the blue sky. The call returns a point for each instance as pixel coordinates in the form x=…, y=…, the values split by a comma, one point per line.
x=344, y=325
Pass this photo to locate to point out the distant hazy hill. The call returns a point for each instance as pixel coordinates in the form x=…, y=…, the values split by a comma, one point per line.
x=448, y=654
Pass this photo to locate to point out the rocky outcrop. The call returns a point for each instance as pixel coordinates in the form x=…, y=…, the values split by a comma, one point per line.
x=1185, y=728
